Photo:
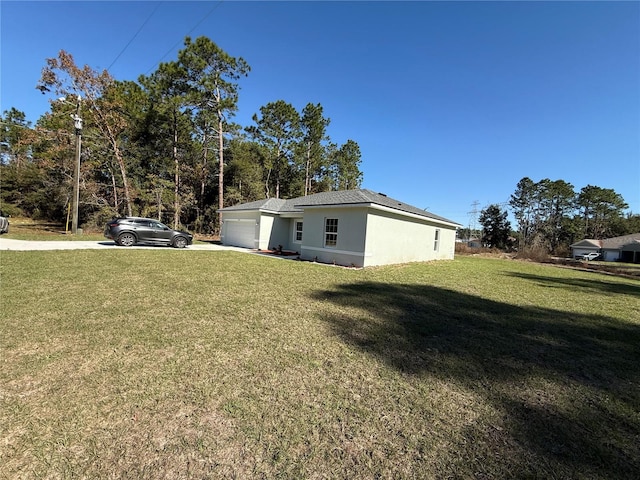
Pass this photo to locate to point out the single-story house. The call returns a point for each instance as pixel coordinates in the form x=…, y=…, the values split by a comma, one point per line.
x=350, y=227
x=624, y=249
x=475, y=243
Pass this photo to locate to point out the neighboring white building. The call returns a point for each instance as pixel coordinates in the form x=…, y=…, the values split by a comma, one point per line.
x=349, y=227
x=625, y=248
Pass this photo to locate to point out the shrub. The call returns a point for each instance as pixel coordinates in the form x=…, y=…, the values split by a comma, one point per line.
x=537, y=254
x=9, y=210
x=98, y=218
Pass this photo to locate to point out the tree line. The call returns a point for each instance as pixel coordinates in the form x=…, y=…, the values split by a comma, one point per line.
x=165, y=146
x=550, y=215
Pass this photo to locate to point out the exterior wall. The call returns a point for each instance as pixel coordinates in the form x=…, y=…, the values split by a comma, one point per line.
x=393, y=238
x=280, y=232
x=292, y=244
x=244, y=217
x=273, y=231
x=349, y=248
x=611, y=255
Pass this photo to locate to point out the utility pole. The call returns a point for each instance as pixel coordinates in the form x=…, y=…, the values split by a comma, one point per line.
x=473, y=217
x=76, y=177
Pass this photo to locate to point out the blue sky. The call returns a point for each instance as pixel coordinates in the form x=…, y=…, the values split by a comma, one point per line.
x=452, y=103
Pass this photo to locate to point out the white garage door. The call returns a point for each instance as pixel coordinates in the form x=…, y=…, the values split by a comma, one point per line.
x=240, y=233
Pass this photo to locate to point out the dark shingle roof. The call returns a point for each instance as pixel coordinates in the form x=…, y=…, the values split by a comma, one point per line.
x=617, y=242
x=339, y=197
x=611, y=243
x=270, y=204
x=354, y=197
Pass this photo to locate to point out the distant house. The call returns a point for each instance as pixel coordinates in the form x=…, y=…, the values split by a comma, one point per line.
x=350, y=227
x=475, y=243
x=624, y=249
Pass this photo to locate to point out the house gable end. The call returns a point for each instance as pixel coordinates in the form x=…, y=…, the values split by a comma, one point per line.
x=587, y=243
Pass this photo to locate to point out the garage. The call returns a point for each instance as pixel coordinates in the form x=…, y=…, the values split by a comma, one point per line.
x=239, y=232
x=630, y=253
x=584, y=247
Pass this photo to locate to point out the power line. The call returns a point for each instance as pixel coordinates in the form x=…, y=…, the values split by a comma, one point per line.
x=188, y=33
x=134, y=37
x=473, y=216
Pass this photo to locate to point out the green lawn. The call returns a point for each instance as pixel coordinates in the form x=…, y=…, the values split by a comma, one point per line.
x=23, y=228
x=192, y=364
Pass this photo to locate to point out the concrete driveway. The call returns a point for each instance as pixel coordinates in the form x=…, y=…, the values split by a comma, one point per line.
x=26, y=245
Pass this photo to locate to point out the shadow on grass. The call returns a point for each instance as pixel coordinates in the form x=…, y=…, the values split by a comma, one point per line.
x=500, y=352
x=595, y=284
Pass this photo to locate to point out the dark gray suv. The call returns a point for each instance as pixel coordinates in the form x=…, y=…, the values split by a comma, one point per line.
x=131, y=230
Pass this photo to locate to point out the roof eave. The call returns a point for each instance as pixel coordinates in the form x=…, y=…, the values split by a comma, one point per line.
x=384, y=208
x=442, y=221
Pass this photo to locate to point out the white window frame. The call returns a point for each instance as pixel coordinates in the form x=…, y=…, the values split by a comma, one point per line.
x=436, y=241
x=296, y=222
x=331, y=230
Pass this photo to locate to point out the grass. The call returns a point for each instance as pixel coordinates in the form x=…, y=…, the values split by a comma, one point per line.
x=23, y=228
x=192, y=364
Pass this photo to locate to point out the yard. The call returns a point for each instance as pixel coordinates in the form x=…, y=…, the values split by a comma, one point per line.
x=188, y=364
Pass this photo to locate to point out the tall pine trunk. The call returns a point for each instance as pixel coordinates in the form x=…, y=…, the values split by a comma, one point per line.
x=125, y=181
x=307, y=180
x=220, y=168
x=176, y=188
x=203, y=171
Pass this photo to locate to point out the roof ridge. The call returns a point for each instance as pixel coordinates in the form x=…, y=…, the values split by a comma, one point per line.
x=340, y=197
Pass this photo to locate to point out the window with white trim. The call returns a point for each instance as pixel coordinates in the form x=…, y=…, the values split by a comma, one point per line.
x=297, y=234
x=436, y=241
x=330, y=232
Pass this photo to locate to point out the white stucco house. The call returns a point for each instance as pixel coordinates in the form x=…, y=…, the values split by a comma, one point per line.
x=351, y=227
x=624, y=249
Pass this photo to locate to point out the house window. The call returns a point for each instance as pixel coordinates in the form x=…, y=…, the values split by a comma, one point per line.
x=330, y=232
x=436, y=241
x=298, y=232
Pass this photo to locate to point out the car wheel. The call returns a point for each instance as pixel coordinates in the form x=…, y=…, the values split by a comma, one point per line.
x=180, y=242
x=126, y=240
